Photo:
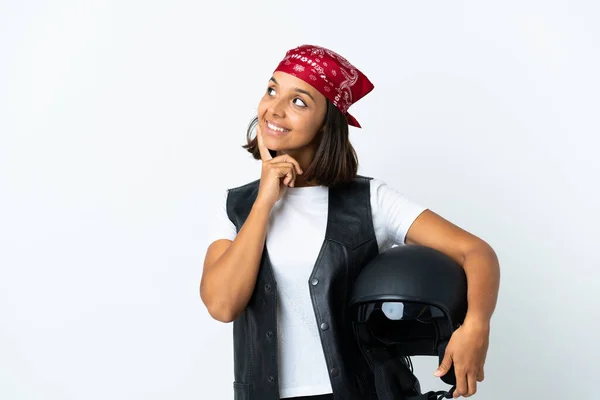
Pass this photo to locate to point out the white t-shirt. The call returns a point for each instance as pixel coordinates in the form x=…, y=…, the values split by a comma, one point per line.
x=295, y=234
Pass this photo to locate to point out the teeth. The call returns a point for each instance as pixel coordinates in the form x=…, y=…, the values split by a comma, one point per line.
x=276, y=128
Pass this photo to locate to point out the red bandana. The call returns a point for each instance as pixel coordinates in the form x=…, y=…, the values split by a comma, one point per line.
x=331, y=74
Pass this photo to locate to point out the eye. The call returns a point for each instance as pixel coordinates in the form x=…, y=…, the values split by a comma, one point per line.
x=270, y=91
x=299, y=102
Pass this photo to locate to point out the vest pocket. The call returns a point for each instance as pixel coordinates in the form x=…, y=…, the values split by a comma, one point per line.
x=241, y=391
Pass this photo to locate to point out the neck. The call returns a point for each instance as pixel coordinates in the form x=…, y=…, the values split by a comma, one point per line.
x=301, y=182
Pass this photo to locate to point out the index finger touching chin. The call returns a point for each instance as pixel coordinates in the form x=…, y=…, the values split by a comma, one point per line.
x=264, y=152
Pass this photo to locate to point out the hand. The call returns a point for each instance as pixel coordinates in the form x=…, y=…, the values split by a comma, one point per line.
x=277, y=173
x=467, y=350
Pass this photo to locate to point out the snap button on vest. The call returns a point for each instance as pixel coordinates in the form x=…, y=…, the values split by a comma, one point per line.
x=334, y=371
x=269, y=335
x=324, y=326
x=314, y=282
x=271, y=379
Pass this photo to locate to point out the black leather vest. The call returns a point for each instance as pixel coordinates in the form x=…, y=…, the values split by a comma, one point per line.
x=349, y=244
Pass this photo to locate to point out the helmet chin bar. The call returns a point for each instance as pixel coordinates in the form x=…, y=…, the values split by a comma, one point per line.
x=390, y=362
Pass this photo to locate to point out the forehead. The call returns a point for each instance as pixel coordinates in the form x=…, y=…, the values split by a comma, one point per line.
x=290, y=82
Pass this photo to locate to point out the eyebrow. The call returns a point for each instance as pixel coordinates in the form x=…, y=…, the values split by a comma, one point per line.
x=296, y=90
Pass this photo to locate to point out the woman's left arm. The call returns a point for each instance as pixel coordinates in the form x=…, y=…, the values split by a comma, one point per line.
x=468, y=346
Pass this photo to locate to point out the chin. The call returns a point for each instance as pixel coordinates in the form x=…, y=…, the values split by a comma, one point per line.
x=273, y=143
x=270, y=143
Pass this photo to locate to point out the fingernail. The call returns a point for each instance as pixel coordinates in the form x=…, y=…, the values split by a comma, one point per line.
x=437, y=373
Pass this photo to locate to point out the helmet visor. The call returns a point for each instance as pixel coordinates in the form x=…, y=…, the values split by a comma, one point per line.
x=400, y=311
x=400, y=321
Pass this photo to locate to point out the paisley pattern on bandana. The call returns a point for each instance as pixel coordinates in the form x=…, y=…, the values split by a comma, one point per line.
x=330, y=73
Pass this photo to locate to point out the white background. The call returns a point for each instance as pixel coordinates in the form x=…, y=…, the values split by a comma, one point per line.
x=121, y=124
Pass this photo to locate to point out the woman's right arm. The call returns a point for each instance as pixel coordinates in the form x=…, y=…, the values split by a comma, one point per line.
x=231, y=267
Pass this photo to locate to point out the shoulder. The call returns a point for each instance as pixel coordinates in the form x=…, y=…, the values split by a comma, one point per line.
x=237, y=198
x=386, y=198
x=245, y=191
x=374, y=183
x=379, y=188
x=373, y=187
x=393, y=213
x=362, y=179
x=238, y=201
x=245, y=187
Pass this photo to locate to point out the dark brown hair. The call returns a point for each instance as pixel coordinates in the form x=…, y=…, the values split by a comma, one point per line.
x=335, y=161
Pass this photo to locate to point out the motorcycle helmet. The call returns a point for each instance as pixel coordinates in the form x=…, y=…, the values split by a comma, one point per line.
x=407, y=301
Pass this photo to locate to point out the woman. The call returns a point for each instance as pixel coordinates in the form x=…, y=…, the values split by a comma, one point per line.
x=290, y=244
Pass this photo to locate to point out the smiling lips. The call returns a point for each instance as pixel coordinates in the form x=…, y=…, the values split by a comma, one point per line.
x=276, y=128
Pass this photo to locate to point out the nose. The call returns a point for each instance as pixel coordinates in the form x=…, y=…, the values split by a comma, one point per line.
x=277, y=108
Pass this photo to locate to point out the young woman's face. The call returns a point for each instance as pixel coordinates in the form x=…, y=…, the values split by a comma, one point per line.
x=290, y=114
